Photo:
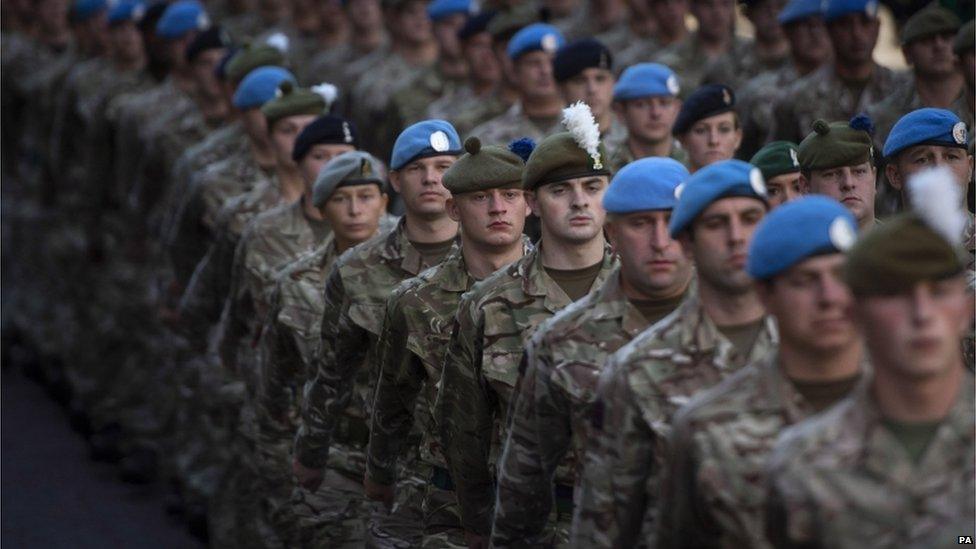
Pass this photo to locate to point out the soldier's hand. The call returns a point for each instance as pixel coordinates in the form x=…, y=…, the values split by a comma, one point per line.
x=475, y=541
x=378, y=492
x=308, y=478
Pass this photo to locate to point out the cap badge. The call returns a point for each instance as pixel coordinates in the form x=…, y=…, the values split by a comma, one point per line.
x=796, y=161
x=672, y=85
x=346, y=134
x=597, y=162
x=871, y=8
x=959, y=133
x=365, y=168
x=726, y=98
x=138, y=12
x=756, y=182
x=678, y=190
x=203, y=21
x=549, y=42
x=439, y=141
x=841, y=234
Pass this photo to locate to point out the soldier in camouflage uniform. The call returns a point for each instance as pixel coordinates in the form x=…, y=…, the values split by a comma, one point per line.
x=355, y=295
x=536, y=112
x=488, y=203
x=714, y=489
x=646, y=99
x=497, y=317
x=584, y=72
x=710, y=336
x=769, y=52
x=802, y=21
x=563, y=359
x=670, y=30
x=708, y=126
x=847, y=86
x=366, y=36
x=892, y=466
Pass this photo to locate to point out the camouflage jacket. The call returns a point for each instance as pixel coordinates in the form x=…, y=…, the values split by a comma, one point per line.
x=465, y=109
x=512, y=125
x=821, y=94
x=494, y=321
x=356, y=292
x=415, y=335
x=371, y=97
x=714, y=492
x=690, y=62
x=640, y=389
x=548, y=427
x=903, y=100
x=754, y=103
x=621, y=155
x=843, y=480
x=70, y=126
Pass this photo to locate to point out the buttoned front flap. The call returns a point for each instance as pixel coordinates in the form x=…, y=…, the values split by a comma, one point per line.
x=432, y=345
x=502, y=347
x=367, y=314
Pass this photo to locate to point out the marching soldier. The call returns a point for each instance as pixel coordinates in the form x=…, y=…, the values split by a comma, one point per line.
x=646, y=99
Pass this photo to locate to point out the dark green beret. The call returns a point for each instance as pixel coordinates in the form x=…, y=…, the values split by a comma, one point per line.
x=965, y=40
x=483, y=167
x=777, y=158
x=894, y=256
x=558, y=158
x=251, y=57
x=927, y=22
x=835, y=145
x=292, y=101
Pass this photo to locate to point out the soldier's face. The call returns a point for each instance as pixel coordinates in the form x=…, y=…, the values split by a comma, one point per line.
x=533, y=73
x=594, y=87
x=318, y=156
x=354, y=213
x=256, y=126
x=411, y=23
x=852, y=186
x=712, y=139
x=809, y=40
x=922, y=157
x=283, y=134
x=364, y=14
x=915, y=335
x=203, y=72
x=483, y=65
x=812, y=305
x=419, y=184
x=715, y=17
x=649, y=119
x=719, y=243
x=571, y=211
x=330, y=14
x=763, y=17
x=670, y=14
x=783, y=188
x=854, y=37
x=52, y=15
x=652, y=264
x=932, y=56
x=490, y=219
x=126, y=42
x=445, y=31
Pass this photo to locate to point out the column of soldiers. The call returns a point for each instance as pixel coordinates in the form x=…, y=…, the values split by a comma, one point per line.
x=399, y=273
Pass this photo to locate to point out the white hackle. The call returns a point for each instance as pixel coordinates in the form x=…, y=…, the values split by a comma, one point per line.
x=936, y=197
x=278, y=41
x=579, y=121
x=328, y=92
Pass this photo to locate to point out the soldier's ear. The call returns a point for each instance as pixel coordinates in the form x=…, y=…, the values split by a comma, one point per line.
x=894, y=177
x=395, y=180
x=531, y=201
x=804, y=184
x=452, y=210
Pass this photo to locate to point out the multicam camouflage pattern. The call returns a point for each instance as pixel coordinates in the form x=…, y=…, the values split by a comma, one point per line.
x=465, y=109
x=548, y=423
x=843, y=480
x=640, y=389
x=409, y=104
x=822, y=94
x=371, y=94
x=512, y=125
x=621, y=155
x=494, y=321
x=694, y=67
x=903, y=100
x=754, y=102
x=356, y=292
x=714, y=491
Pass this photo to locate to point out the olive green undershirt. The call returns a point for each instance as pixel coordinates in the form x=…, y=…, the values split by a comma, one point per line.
x=823, y=394
x=915, y=437
x=743, y=336
x=575, y=282
x=433, y=252
x=655, y=309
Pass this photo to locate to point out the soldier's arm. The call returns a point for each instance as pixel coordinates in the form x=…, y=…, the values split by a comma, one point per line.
x=398, y=385
x=681, y=514
x=282, y=367
x=464, y=415
x=538, y=439
x=237, y=308
x=188, y=237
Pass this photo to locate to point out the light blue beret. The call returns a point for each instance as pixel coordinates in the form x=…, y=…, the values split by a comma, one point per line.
x=645, y=184
x=926, y=126
x=835, y=9
x=426, y=138
x=83, y=10
x=812, y=225
x=348, y=168
x=537, y=36
x=260, y=86
x=182, y=17
x=722, y=179
x=646, y=80
x=439, y=9
x=798, y=10
x=126, y=10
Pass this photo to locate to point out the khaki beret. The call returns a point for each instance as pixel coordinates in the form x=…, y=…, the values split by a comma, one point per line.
x=349, y=168
x=558, y=158
x=927, y=22
x=483, y=167
x=293, y=101
x=836, y=144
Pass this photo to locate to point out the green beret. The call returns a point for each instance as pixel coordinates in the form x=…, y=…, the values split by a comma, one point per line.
x=927, y=22
x=776, y=158
x=292, y=101
x=834, y=145
x=558, y=158
x=251, y=57
x=483, y=167
x=896, y=255
x=964, y=38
